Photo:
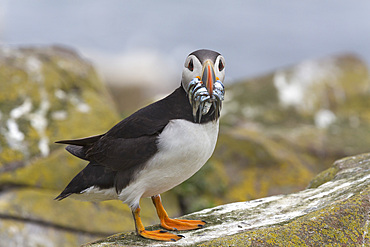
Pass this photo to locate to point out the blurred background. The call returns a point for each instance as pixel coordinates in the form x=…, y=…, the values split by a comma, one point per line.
x=254, y=36
x=297, y=99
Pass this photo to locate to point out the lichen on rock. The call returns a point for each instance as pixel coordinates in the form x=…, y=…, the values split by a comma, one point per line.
x=269, y=144
x=336, y=212
x=44, y=93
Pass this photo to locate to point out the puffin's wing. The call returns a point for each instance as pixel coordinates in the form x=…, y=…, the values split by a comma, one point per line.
x=113, y=161
x=132, y=141
x=121, y=154
x=147, y=122
x=126, y=144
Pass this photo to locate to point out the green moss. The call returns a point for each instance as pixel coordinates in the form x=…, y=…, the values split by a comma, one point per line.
x=36, y=204
x=52, y=172
x=205, y=189
x=59, y=81
x=323, y=177
x=9, y=155
x=259, y=166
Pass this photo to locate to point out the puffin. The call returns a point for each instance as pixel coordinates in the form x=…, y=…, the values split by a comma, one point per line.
x=156, y=148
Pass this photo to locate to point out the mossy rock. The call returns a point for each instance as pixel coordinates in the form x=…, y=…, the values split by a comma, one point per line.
x=37, y=205
x=19, y=233
x=323, y=177
x=260, y=166
x=47, y=94
x=267, y=145
x=345, y=224
x=295, y=95
x=319, y=106
x=335, y=213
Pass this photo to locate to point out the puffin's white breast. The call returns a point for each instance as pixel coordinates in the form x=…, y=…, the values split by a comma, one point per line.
x=183, y=148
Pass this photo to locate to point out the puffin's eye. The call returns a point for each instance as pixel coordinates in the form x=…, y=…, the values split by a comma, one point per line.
x=191, y=65
x=221, y=66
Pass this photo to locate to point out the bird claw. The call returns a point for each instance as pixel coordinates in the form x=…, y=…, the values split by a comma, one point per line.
x=201, y=101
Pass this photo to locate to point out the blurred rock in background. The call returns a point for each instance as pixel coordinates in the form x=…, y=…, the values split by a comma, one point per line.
x=277, y=132
x=48, y=94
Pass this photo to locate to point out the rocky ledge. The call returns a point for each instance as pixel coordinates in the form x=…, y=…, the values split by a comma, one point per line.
x=334, y=209
x=277, y=131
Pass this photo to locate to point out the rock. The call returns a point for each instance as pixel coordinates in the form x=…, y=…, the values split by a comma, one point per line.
x=279, y=130
x=19, y=233
x=270, y=142
x=312, y=105
x=334, y=213
x=48, y=94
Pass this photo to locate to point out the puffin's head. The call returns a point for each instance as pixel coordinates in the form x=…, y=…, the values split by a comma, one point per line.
x=206, y=65
x=202, y=79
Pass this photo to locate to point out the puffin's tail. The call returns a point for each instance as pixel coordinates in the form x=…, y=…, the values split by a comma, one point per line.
x=62, y=196
x=78, y=147
x=92, y=175
x=82, y=141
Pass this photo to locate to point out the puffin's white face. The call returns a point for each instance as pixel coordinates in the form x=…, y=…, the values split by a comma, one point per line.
x=194, y=68
x=202, y=80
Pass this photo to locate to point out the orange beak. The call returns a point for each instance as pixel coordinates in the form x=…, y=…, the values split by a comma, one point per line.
x=208, y=76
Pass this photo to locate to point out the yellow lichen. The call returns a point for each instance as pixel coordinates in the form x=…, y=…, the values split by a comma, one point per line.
x=342, y=223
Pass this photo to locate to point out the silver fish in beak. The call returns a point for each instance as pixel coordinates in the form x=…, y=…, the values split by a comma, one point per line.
x=206, y=92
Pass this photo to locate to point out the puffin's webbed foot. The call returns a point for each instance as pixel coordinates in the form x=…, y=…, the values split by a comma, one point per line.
x=181, y=225
x=174, y=224
x=160, y=235
x=155, y=235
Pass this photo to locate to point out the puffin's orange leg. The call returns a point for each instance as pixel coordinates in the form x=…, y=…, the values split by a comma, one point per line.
x=174, y=224
x=156, y=235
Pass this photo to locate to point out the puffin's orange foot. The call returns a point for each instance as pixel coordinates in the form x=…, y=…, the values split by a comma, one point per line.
x=174, y=224
x=160, y=235
x=156, y=235
x=181, y=225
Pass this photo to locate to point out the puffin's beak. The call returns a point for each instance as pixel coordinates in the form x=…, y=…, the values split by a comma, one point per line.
x=208, y=76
